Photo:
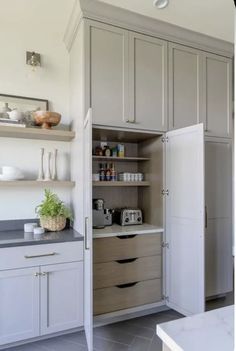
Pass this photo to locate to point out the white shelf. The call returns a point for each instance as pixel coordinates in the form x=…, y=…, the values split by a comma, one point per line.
x=120, y=184
x=120, y=159
x=36, y=133
x=36, y=183
x=118, y=230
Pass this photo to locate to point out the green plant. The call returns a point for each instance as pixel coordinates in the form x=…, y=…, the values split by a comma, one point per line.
x=52, y=206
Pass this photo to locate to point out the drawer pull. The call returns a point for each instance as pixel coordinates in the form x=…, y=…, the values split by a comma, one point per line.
x=41, y=255
x=128, y=260
x=124, y=286
x=126, y=236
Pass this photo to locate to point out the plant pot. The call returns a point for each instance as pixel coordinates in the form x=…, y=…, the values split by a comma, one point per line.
x=53, y=224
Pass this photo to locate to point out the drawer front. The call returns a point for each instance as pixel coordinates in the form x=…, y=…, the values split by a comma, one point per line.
x=118, y=298
x=37, y=255
x=126, y=271
x=123, y=247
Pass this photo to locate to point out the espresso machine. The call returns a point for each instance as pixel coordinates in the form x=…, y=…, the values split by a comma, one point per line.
x=102, y=217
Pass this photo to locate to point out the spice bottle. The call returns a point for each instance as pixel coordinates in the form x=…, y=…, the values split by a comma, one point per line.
x=102, y=172
x=108, y=173
x=113, y=172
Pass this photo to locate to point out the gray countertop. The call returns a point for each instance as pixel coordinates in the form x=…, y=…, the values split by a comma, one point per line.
x=11, y=238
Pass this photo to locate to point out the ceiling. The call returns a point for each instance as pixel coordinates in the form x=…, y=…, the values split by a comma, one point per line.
x=211, y=17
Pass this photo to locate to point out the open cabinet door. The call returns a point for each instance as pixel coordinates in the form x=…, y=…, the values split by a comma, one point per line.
x=88, y=264
x=185, y=271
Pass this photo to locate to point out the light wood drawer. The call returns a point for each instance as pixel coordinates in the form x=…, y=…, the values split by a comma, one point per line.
x=123, y=247
x=118, y=298
x=38, y=255
x=126, y=271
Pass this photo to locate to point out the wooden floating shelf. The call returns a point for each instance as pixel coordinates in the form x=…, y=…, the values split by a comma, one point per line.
x=36, y=133
x=36, y=183
x=123, y=159
x=119, y=183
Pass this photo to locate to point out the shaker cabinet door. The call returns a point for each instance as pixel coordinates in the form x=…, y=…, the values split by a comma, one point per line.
x=61, y=297
x=185, y=86
x=107, y=74
x=19, y=304
x=147, y=82
x=218, y=95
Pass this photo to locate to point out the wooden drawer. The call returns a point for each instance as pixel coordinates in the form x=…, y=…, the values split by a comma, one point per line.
x=126, y=271
x=129, y=246
x=38, y=255
x=127, y=296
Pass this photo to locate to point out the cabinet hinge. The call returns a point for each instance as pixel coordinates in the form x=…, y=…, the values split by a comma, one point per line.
x=165, y=139
x=165, y=245
x=166, y=298
x=165, y=192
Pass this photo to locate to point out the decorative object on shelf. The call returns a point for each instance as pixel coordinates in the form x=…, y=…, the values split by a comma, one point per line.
x=48, y=171
x=26, y=105
x=7, y=122
x=33, y=59
x=11, y=173
x=46, y=119
x=15, y=115
x=131, y=177
x=54, y=166
x=41, y=172
x=39, y=230
x=29, y=227
x=53, y=212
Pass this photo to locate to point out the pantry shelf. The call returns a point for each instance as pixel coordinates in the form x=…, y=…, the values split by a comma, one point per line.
x=36, y=183
x=36, y=133
x=119, y=183
x=121, y=159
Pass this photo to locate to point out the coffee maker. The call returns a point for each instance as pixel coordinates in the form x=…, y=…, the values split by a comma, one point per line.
x=101, y=217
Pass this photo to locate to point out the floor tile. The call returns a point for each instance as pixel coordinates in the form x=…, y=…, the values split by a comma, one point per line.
x=28, y=347
x=155, y=345
x=78, y=338
x=119, y=347
x=136, y=330
x=60, y=344
x=139, y=344
x=114, y=333
x=101, y=344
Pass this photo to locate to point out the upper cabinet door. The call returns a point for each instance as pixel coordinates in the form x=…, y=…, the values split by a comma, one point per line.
x=185, y=86
x=107, y=75
x=147, y=82
x=185, y=263
x=218, y=95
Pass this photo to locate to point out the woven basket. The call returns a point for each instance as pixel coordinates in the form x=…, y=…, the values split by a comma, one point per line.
x=53, y=224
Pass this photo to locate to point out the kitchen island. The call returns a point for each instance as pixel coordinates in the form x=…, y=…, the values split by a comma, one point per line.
x=207, y=331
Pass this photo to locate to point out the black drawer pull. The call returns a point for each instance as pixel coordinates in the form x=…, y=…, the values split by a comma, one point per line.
x=126, y=236
x=128, y=260
x=124, y=286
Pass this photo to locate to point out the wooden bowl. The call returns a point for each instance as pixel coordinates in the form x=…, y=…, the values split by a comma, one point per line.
x=46, y=119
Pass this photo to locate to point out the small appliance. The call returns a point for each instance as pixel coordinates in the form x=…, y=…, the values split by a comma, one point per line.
x=128, y=216
x=101, y=217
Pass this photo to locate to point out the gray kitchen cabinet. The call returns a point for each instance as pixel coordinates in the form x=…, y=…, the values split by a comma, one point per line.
x=185, y=86
x=218, y=82
x=106, y=48
x=218, y=232
x=147, y=82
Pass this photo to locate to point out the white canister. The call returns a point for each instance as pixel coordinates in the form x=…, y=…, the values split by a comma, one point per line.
x=29, y=227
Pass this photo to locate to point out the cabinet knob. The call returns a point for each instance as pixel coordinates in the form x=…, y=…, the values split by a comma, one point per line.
x=44, y=273
x=36, y=274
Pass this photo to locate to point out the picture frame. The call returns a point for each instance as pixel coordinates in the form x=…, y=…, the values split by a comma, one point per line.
x=23, y=103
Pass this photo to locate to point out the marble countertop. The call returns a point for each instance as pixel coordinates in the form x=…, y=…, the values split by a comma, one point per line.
x=207, y=331
x=118, y=230
x=11, y=238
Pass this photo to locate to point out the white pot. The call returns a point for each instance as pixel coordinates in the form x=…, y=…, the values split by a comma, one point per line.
x=15, y=114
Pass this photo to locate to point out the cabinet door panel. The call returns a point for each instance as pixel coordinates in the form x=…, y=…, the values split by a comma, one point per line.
x=61, y=297
x=107, y=78
x=185, y=86
x=148, y=82
x=19, y=305
x=219, y=260
x=218, y=95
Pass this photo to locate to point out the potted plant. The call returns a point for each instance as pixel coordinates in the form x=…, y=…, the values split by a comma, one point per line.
x=53, y=212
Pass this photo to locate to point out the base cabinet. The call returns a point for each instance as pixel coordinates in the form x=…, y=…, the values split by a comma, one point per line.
x=19, y=304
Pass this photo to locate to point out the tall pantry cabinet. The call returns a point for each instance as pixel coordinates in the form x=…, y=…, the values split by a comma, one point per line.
x=144, y=86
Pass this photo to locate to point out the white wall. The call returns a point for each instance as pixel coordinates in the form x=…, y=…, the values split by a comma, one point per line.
x=211, y=17
x=33, y=25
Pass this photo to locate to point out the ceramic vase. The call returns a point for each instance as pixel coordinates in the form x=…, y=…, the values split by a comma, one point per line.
x=41, y=173
x=48, y=172
x=54, y=167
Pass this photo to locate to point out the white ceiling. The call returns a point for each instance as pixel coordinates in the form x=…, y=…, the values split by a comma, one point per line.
x=211, y=17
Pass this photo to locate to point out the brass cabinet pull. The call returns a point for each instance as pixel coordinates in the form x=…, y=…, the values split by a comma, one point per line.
x=40, y=255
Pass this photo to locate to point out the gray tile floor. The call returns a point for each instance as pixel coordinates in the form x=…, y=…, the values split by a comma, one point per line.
x=137, y=334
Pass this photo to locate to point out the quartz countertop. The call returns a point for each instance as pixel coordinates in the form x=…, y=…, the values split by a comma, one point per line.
x=212, y=330
x=118, y=230
x=11, y=238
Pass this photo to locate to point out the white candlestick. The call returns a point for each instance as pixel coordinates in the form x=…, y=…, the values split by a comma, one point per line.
x=48, y=172
x=54, y=170
x=41, y=173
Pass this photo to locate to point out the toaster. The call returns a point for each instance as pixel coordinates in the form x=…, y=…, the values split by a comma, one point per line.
x=128, y=216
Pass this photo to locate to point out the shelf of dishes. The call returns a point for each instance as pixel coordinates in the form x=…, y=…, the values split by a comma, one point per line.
x=120, y=183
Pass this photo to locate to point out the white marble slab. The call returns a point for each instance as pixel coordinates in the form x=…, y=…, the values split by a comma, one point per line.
x=116, y=230
x=209, y=331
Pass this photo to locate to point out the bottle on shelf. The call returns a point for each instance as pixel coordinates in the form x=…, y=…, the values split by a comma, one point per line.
x=102, y=172
x=108, y=173
x=113, y=172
